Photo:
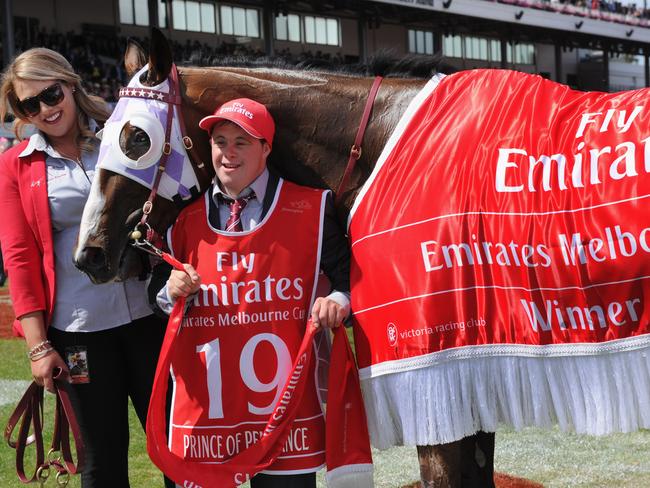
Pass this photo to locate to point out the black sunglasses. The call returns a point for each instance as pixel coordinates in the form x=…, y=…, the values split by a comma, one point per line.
x=51, y=96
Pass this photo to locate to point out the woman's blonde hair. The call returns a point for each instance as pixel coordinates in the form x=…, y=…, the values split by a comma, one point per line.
x=41, y=64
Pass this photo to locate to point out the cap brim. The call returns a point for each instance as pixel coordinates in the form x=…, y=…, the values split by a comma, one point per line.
x=208, y=122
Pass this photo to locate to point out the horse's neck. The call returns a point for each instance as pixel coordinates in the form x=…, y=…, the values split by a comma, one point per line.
x=317, y=116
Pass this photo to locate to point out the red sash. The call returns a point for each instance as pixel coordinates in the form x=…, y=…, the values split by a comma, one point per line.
x=243, y=330
x=245, y=398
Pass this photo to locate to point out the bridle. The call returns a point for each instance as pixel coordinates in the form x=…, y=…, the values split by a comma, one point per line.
x=144, y=237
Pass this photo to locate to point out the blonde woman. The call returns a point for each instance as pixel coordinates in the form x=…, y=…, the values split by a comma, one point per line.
x=102, y=337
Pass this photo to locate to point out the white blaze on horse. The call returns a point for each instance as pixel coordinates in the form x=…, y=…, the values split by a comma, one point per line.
x=500, y=252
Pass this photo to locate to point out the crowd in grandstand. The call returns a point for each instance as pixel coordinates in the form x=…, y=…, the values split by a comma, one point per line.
x=98, y=59
x=628, y=13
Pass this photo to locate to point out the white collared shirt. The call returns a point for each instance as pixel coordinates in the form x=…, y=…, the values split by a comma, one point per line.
x=251, y=215
x=80, y=305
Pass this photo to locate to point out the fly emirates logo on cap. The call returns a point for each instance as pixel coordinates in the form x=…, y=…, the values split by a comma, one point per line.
x=236, y=107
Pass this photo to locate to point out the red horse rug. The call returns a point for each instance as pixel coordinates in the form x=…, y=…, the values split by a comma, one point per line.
x=501, y=262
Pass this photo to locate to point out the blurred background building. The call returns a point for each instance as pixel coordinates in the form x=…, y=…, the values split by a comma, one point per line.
x=587, y=44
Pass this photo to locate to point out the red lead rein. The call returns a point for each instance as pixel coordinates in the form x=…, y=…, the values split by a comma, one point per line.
x=171, y=260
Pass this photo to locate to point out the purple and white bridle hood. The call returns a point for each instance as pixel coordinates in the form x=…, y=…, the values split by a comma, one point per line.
x=149, y=113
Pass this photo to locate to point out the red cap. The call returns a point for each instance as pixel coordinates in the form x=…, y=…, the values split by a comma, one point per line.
x=248, y=114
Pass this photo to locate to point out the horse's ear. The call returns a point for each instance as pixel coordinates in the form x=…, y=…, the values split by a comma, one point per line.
x=160, y=58
x=134, y=57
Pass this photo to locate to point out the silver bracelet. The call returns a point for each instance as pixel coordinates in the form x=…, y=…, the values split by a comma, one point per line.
x=40, y=347
x=41, y=354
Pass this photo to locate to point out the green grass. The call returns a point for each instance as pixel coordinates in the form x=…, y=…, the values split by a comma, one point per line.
x=551, y=457
x=559, y=459
x=14, y=365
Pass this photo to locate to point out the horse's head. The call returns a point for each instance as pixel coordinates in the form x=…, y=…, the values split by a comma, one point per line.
x=316, y=113
x=143, y=157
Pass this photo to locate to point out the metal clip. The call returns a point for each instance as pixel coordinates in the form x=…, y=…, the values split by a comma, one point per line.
x=43, y=473
x=147, y=207
x=167, y=148
x=62, y=478
x=53, y=456
x=140, y=236
x=146, y=246
x=140, y=241
x=187, y=142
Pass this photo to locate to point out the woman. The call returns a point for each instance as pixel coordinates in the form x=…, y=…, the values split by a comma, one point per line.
x=102, y=337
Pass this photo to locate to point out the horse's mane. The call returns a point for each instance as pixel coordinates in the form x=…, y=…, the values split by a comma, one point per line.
x=381, y=64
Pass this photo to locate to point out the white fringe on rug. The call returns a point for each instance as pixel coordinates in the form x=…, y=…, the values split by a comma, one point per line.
x=351, y=476
x=445, y=402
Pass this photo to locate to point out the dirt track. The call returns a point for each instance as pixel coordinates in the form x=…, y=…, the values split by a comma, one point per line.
x=501, y=481
x=6, y=314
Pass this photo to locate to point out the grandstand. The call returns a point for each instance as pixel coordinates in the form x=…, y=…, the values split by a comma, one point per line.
x=588, y=44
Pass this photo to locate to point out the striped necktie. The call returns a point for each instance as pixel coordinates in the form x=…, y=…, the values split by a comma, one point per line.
x=236, y=206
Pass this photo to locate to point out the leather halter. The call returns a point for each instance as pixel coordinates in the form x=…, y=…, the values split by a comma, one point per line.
x=356, y=150
x=174, y=100
x=29, y=412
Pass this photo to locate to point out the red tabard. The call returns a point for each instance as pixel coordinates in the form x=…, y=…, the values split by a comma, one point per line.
x=240, y=337
x=508, y=215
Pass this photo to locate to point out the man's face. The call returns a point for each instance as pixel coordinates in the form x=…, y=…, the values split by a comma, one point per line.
x=238, y=158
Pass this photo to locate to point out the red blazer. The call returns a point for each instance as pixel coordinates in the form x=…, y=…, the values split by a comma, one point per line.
x=26, y=233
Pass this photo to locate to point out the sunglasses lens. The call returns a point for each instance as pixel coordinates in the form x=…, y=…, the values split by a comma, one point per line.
x=52, y=96
x=31, y=106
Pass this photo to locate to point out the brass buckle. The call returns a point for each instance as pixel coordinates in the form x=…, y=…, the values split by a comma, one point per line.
x=355, y=151
x=147, y=207
x=167, y=149
x=187, y=142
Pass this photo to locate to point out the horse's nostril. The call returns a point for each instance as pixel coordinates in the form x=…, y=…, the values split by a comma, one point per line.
x=92, y=259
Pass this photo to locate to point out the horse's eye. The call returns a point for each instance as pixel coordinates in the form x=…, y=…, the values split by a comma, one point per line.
x=134, y=142
x=141, y=137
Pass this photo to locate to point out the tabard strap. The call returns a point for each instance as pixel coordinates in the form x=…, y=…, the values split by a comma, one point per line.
x=355, y=150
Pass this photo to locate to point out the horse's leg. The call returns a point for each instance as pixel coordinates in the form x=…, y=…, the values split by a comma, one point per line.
x=440, y=465
x=478, y=460
x=467, y=463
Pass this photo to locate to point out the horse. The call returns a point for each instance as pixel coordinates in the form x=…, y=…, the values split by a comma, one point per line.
x=303, y=152
x=316, y=113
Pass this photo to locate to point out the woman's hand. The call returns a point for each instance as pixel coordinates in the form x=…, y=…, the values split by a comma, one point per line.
x=183, y=283
x=43, y=370
x=327, y=313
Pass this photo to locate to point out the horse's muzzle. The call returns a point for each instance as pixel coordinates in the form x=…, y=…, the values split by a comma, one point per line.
x=94, y=262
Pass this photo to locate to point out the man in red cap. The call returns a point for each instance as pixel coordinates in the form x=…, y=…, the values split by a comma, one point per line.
x=253, y=248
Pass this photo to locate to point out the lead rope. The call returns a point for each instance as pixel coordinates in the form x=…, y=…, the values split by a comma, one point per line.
x=29, y=413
